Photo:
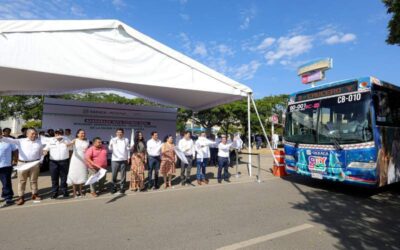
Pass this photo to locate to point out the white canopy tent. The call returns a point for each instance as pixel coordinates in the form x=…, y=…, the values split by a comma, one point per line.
x=54, y=57
x=58, y=56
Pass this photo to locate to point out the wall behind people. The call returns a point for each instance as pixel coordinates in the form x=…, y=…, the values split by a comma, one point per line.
x=99, y=119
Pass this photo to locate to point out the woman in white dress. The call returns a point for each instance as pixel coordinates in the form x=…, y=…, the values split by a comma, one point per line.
x=78, y=172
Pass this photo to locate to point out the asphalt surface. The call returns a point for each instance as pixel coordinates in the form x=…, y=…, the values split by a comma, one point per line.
x=288, y=213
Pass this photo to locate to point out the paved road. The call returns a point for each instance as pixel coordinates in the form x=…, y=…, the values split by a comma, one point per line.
x=290, y=213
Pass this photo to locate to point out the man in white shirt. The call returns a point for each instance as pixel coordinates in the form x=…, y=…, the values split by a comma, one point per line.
x=154, y=154
x=59, y=163
x=186, y=145
x=223, y=158
x=202, y=147
x=30, y=149
x=120, y=148
x=275, y=140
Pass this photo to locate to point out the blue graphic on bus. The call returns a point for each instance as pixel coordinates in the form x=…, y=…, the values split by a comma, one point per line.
x=347, y=131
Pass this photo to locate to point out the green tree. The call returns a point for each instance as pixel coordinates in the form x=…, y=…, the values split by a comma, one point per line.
x=268, y=106
x=230, y=114
x=33, y=124
x=393, y=7
x=182, y=117
x=233, y=116
x=26, y=107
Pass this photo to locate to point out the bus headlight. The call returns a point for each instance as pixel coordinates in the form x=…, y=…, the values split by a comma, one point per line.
x=364, y=165
x=289, y=158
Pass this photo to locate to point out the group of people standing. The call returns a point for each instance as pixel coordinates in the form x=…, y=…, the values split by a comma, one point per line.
x=71, y=160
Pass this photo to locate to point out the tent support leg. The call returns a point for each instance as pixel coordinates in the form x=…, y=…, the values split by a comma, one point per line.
x=249, y=132
x=265, y=133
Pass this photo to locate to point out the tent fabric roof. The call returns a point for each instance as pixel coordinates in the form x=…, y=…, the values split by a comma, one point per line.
x=56, y=57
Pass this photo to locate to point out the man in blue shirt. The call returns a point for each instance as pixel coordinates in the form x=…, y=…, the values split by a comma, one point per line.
x=6, y=150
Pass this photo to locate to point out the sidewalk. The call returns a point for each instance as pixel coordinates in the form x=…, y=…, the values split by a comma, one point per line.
x=44, y=181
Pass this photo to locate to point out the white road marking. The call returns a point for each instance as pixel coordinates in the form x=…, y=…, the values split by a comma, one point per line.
x=266, y=237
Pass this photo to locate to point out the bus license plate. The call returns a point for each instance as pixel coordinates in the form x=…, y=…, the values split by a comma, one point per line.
x=316, y=176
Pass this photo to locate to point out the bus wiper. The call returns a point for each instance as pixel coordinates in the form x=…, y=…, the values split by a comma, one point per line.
x=333, y=138
x=336, y=143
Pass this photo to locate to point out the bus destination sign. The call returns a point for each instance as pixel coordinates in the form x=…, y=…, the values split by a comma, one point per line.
x=336, y=90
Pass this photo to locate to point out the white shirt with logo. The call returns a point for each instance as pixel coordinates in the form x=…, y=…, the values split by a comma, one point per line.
x=58, y=149
x=120, y=149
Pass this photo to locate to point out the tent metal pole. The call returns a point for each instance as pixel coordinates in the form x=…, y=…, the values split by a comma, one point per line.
x=265, y=133
x=249, y=132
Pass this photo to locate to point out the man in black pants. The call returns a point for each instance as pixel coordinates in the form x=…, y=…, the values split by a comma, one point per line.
x=59, y=164
x=154, y=153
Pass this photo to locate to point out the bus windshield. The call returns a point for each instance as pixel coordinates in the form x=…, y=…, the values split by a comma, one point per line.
x=338, y=120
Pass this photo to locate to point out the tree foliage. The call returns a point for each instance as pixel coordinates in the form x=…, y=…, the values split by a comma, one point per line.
x=31, y=107
x=230, y=117
x=393, y=7
x=26, y=107
x=233, y=116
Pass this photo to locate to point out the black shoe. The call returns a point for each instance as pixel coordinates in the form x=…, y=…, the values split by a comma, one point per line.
x=219, y=181
x=54, y=196
x=66, y=195
x=113, y=191
x=183, y=183
x=7, y=204
x=122, y=191
x=227, y=180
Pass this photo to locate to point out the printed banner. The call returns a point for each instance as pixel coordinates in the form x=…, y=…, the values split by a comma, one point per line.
x=99, y=119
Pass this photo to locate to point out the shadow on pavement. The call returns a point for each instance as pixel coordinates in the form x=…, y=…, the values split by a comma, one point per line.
x=359, y=218
x=117, y=197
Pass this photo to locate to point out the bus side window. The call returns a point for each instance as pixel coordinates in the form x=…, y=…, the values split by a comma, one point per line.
x=387, y=107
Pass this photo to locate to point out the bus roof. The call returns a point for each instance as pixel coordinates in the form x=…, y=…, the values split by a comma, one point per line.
x=369, y=79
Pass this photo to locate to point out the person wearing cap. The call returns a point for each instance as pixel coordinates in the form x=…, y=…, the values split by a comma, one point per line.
x=119, y=145
x=59, y=163
x=6, y=151
x=30, y=149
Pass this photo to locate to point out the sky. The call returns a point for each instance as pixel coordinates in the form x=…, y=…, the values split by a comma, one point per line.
x=259, y=43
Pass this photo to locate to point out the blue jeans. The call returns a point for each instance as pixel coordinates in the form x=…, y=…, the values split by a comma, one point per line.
x=201, y=169
x=154, y=165
x=223, y=163
x=5, y=178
